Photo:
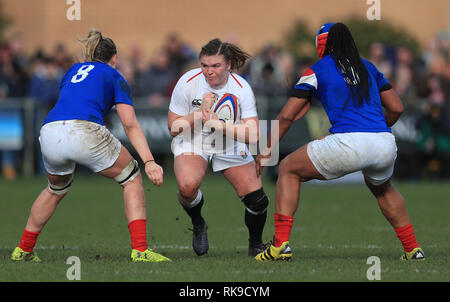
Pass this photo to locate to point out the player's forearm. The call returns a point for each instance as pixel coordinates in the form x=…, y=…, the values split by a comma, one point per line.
x=139, y=142
x=247, y=132
x=295, y=109
x=277, y=134
x=183, y=123
x=283, y=125
x=391, y=117
x=393, y=106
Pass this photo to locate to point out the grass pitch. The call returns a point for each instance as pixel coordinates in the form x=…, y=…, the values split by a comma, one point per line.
x=336, y=229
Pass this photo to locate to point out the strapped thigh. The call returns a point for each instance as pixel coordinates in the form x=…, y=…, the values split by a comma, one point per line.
x=60, y=190
x=128, y=173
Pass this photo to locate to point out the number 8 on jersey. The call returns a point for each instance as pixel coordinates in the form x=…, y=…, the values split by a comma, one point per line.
x=82, y=73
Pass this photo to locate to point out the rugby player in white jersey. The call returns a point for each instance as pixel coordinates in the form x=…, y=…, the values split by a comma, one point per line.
x=189, y=111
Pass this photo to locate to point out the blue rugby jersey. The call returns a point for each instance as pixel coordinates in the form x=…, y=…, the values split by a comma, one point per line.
x=324, y=81
x=88, y=91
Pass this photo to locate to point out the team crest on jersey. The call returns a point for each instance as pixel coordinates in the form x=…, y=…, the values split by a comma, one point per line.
x=196, y=102
x=243, y=154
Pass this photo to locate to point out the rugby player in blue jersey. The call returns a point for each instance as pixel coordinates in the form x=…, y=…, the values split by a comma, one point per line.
x=74, y=133
x=353, y=93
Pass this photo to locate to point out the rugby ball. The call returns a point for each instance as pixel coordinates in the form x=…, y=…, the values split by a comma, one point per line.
x=227, y=108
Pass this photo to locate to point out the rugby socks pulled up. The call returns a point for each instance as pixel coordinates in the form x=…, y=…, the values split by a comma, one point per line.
x=138, y=234
x=28, y=240
x=194, y=209
x=255, y=225
x=283, y=226
x=407, y=237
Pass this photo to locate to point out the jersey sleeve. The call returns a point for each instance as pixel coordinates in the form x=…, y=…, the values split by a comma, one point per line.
x=306, y=86
x=247, y=102
x=179, y=103
x=381, y=82
x=122, y=92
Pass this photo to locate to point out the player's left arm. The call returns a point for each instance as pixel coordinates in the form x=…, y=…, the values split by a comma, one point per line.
x=139, y=142
x=246, y=132
x=295, y=109
x=393, y=105
x=389, y=99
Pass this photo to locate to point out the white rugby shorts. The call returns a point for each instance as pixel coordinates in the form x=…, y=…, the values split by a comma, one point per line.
x=219, y=161
x=66, y=143
x=342, y=153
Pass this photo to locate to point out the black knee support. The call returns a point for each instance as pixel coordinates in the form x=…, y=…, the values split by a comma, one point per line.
x=256, y=201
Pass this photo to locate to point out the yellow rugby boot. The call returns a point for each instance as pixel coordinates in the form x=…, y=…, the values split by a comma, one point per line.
x=273, y=253
x=415, y=254
x=20, y=255
x=147, y=256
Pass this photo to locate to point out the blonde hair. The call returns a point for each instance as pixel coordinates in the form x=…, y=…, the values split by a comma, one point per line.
x=97, y=48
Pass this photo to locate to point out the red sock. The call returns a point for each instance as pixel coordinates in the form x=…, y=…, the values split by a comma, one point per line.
x=138, y=234
x=407, y=237
x=283, y=226
x=28, y=240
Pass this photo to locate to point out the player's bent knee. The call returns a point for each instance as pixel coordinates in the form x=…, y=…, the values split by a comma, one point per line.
x=256, y=202
x=286, y=168
x=128, y=173
x=60, y=190
x=283, y=167
x=188, y=189
x=189, y=193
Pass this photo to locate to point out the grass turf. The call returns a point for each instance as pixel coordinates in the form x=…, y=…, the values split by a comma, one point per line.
x=336, y=229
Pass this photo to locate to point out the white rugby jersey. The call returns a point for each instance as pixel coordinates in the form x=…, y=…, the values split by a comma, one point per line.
x=190, y=88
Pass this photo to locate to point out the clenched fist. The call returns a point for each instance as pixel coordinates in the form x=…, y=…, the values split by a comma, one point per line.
x=154, y=173
x=207, y=101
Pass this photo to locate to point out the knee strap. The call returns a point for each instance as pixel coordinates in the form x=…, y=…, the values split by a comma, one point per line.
x=256, y=202
x=60, y=190
x=128, y=173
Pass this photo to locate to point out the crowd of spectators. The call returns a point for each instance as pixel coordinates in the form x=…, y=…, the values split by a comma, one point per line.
x=422, y=83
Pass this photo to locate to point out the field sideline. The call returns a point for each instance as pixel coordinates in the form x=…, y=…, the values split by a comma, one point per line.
x=336, y=229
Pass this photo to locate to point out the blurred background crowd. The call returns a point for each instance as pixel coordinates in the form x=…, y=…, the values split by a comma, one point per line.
x=421, y=80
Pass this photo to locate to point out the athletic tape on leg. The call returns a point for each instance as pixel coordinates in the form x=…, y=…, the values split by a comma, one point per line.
x=128, y=173
x=60, y=190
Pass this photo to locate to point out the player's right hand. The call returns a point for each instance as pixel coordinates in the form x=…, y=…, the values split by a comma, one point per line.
x=260, y=161
x=154, y=173
x=207, y=101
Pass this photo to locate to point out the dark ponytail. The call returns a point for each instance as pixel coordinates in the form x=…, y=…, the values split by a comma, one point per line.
x=233, y=54
x=342, y=48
